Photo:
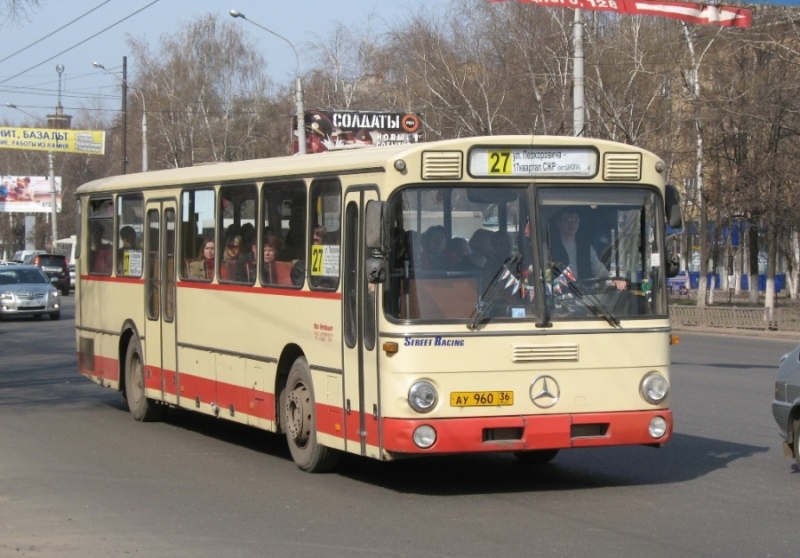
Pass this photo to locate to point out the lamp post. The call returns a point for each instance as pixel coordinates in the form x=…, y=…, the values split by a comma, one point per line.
x=140, y=93
x=298, y=86
x=52, y=171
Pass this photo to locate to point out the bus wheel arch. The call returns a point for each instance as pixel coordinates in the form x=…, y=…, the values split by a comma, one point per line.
x=299, y=421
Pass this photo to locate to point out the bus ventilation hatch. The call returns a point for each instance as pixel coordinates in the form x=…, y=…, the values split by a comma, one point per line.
x=439, y=165
x=544, y=353
x=622, y=166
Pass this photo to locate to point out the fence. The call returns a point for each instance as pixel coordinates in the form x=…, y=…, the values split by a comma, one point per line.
x=777, y=319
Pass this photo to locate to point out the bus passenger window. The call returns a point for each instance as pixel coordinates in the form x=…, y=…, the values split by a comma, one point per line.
x=130, y=219
x=237, y=211
x=326, y=203
x=197, y=235
x=282, y=250
x=101, y=230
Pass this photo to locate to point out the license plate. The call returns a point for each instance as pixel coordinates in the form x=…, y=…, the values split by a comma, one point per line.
x=51, y=269
x=481, y=398
x=28, y=303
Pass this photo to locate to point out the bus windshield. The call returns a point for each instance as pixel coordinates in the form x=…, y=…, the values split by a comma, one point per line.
x=468, y=253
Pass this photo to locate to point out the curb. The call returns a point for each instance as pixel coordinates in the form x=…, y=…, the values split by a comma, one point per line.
x=736, y=332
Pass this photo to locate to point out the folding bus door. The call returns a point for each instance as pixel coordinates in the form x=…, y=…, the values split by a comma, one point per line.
x=361, y=384
x=161, y=375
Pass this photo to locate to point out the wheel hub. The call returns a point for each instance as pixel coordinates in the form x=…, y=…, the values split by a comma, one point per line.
x=298, y=414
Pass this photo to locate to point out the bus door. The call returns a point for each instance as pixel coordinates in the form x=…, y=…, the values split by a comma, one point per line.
x=361, y=386
x=160, y=291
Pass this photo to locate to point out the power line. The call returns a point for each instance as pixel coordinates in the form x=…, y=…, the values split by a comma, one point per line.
x=81, y=42
x=23, y=49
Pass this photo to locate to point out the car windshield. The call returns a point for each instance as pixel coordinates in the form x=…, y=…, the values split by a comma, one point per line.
x=22, y=277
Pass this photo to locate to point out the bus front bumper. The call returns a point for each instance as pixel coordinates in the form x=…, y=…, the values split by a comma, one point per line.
x=525, y=433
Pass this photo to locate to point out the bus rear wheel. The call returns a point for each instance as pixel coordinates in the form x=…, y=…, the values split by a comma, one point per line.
x=142, y=408
x=536, y=457
x=300, y=422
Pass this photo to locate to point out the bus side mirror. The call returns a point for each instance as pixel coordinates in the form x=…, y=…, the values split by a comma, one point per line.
x=374, y=225
x=672, y=206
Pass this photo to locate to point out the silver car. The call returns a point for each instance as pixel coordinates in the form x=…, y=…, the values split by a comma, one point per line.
x=26, y=291
x=786, y=406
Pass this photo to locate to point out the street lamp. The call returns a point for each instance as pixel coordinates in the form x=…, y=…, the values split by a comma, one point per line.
x=52, y=171
x=140, y=93
x=298, y=87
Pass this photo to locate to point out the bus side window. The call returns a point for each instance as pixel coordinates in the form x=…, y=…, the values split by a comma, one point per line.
x=198, y=230
x=326, y=212
x=283, y=219
x=130, y=229
x=237, y=243
x=101, y=231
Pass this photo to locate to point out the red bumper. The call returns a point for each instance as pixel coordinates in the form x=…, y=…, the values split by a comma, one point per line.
x=486, y=434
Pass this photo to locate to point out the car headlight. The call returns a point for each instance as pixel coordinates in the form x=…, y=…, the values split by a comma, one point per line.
x=53, y=293
x=7, y=297
x=654, y=388
x=422, y=396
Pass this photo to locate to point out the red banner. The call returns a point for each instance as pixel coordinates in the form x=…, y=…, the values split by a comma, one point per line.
x=701, y=14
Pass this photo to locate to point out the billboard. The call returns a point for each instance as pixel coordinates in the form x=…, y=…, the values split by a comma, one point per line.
x=87, y=142
x=329, y=129
x=28, y=194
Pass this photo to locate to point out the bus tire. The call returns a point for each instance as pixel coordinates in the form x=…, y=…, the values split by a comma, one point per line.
x=142, y=408
x=300, y=422
x=536, y=457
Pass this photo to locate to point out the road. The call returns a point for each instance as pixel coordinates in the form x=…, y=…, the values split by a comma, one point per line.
x=79, y=477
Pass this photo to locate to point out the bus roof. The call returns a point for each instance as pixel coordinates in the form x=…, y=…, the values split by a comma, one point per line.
x=375, y=159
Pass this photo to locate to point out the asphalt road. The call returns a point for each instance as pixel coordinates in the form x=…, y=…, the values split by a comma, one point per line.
x=79, y=477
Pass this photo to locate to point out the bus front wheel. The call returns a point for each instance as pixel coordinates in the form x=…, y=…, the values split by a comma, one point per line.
x=300, y=422
x=142, y=408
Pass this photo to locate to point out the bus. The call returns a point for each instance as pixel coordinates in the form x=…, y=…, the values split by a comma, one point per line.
x=390, y=302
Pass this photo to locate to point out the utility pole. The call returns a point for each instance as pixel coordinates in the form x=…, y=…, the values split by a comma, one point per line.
x=124, y=114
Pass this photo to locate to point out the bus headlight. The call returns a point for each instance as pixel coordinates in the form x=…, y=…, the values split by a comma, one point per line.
x=424, y=436
x=654, y=388
x=422, y=396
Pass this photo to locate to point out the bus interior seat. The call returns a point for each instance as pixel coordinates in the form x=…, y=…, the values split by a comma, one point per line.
x=439, y=298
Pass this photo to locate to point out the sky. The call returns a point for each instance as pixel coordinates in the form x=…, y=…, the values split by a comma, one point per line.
x=28, y=72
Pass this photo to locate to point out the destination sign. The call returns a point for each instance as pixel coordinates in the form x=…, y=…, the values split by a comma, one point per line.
x=533, y=162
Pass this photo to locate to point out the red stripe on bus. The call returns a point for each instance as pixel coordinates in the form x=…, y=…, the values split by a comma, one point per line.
x=109, y=279
x=102, y=367
x=521, y=433
x=258, y=290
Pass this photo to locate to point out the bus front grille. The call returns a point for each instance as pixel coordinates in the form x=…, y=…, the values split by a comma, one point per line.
x=622, y=166
x=544, y=353
x=438, y=165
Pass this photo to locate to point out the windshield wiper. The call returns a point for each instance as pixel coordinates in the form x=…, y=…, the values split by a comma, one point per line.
x=594, y=303
x=490, y=293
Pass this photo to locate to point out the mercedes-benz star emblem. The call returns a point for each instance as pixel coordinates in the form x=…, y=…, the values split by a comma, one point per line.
x=545, y=392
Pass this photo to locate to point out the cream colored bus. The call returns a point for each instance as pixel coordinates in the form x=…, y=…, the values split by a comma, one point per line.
x=491, y=294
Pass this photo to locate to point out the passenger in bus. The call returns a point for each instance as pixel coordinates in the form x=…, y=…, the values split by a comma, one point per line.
x=99, y=252
x=434, y=241
x=269, y=265
x=480, y=245
x=203, y=266
x=318, y=235
x=455, y=254
x=127, y=237
x=569, y=248
x=233, y=249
